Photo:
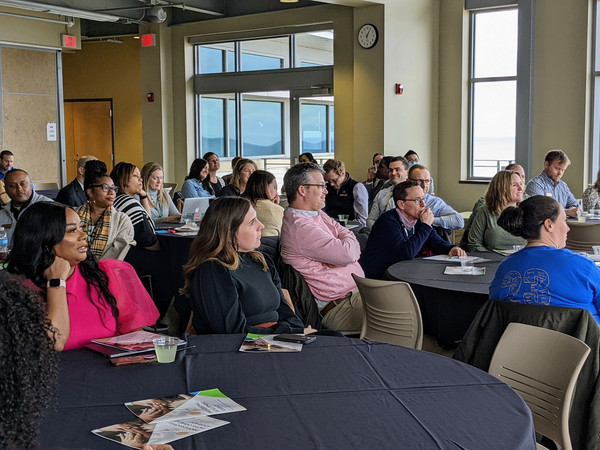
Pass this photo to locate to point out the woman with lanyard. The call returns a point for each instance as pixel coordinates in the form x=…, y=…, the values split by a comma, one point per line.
x=162, y=208
x=109, y=232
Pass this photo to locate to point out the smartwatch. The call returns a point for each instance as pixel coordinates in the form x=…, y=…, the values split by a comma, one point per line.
x=56, y=282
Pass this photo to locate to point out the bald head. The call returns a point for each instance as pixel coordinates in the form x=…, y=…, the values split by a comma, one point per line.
x=517, y=168
x=81, y=166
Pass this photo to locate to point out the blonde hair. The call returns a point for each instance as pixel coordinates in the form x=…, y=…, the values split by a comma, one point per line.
x=498, y=194
x=216, y=239
x=237, y=172
x=148, y=169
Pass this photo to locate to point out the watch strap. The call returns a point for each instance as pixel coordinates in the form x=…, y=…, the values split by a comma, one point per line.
x=56, y=282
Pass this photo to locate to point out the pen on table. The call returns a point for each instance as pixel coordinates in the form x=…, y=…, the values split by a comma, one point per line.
x=186, y=348
x=268, y=344
x=171, y=230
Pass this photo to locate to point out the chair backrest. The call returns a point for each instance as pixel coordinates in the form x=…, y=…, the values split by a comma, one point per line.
x=45, y=185
x=583, y=236
x=391, y=313
x=170, y=188
x=542, y=366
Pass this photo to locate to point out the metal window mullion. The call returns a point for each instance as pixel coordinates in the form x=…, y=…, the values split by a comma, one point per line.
x=470, y=152
x=492, y=79
x=292, y=52
x=238, y=124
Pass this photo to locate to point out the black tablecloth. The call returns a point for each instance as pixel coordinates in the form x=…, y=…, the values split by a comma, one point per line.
x=336, y=393
x=448, y=302
x=177, y=246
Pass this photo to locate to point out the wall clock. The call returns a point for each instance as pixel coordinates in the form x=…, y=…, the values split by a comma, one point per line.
x=368, y=36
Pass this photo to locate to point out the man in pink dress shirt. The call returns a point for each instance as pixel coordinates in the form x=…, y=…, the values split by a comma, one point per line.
x=323, y=251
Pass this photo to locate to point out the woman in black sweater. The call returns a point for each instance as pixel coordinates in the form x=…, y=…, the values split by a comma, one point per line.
x=233, y=288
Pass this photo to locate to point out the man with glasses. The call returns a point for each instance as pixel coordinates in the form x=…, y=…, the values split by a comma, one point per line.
x=73, y=194
x=403, y=232
x=445, y=218
x=344, y=194
x=324, y=252
x=21, y=194
x=397, y=173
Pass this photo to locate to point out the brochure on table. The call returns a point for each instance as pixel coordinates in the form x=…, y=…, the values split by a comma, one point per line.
x=457, y=270
x=183, y=406
x=267, y=343
x=167, y=419
x=129, y=344
x=446, y=258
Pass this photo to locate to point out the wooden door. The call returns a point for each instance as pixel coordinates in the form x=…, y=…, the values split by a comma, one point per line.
x=88, y=131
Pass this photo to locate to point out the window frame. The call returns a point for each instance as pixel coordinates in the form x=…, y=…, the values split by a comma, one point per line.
x=525, y=78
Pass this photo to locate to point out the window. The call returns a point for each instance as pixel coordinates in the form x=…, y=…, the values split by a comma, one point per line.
x=251, y=112
x=493, y=91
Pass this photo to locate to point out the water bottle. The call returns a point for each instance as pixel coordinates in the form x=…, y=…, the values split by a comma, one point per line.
x=3, y=245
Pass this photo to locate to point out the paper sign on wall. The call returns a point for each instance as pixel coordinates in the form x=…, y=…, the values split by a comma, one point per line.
x=51, y=131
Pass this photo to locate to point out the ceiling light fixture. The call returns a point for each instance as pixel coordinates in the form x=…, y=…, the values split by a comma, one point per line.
x=288, y=1
x=69, y=21
x=60, y=10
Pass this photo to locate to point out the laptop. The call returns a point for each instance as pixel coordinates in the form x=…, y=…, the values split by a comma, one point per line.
x=195, y=208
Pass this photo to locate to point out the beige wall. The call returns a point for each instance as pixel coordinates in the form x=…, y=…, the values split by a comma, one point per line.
x=562, y=87
x=109, y=70
x=411, y=58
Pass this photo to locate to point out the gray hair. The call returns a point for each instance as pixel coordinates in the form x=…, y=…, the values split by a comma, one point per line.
x=296, y=176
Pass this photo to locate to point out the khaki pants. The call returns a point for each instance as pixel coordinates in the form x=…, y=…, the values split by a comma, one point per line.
x=347, y=317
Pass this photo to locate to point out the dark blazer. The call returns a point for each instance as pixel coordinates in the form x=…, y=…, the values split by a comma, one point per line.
x=390, y=242
x=72, y=194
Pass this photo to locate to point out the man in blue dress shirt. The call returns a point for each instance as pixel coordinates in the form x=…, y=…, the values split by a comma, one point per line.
x=549, y=182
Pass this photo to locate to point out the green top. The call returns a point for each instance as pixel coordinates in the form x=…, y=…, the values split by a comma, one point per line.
x=486, y=235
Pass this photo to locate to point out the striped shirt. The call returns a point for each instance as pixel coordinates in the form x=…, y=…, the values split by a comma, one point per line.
x=143, y=225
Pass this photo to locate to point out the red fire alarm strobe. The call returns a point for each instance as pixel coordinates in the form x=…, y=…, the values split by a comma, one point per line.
x=150, y=97
x=399, y=88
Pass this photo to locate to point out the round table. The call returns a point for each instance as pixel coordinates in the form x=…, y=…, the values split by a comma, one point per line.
x=448, y=302
x=337, y=393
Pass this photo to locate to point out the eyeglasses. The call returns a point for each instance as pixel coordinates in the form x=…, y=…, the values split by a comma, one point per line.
x=417, y=201
x=427, y=181
x=106, y=187
x=322, y=186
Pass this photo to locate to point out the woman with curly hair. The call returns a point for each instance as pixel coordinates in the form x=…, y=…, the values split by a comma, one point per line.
x=261, y=190
x=233, y=288
x=505, y=189
x=29, y=363
x=239, y=178
x=162, y=208
x=85, y=299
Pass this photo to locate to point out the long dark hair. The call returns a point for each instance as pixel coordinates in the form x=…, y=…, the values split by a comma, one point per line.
x=194, y=173
x=216, y=240
x=526, y=220
x=256, y=188
x=33, y=250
